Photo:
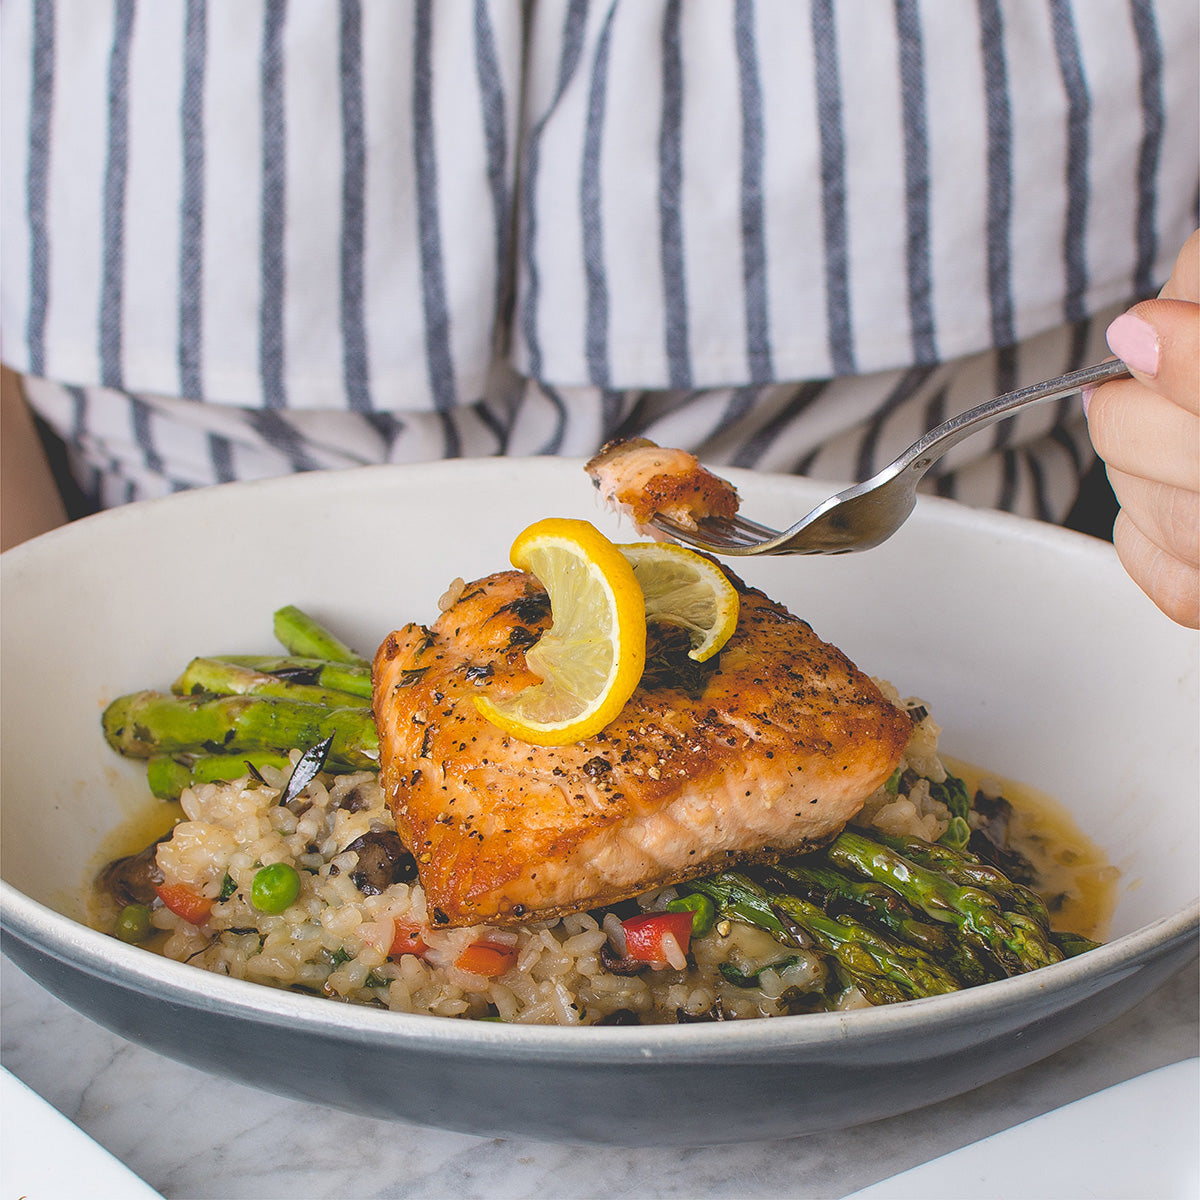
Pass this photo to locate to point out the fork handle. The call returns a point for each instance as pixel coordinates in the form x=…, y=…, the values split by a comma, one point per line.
x=922, y=454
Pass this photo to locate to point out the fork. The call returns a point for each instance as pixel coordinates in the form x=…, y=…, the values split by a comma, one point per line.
x=867, y=514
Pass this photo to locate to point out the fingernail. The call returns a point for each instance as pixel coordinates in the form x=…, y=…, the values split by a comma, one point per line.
x=1086, y=396
x=1135, y=341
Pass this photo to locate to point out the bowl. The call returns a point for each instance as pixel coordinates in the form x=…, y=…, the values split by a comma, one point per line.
x=1039, y=658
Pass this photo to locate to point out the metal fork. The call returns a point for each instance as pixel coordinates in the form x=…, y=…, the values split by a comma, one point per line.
x=867, y=514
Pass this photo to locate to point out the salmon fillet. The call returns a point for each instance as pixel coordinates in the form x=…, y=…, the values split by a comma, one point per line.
x=644, y=480
x=771, y=746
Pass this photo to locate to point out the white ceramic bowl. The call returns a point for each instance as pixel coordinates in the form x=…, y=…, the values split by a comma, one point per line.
x=1039, y=658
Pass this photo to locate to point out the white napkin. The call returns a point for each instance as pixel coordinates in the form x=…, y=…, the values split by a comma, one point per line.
x=47, y=1157
x=1136, y=1140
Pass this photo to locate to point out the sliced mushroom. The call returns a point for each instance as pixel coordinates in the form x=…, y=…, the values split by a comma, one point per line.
x=382, y=861
x=134, y=878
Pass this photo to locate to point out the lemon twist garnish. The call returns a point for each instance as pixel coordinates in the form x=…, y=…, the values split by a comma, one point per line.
x=684, y=588
x=591, y=658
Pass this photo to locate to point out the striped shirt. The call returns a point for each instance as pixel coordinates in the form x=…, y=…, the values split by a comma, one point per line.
x=247, y=237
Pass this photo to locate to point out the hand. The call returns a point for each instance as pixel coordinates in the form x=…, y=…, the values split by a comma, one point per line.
x=1147, y=430
x=29, y=499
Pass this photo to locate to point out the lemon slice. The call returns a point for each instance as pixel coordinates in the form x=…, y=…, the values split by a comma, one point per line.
x=591, y=658
x=684, y=588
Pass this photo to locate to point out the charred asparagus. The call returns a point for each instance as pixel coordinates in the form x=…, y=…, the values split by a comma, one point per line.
x=880, y=965
x=151, y=723
x=1017, y=942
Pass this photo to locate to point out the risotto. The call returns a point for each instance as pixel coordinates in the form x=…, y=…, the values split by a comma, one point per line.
x=357, y=930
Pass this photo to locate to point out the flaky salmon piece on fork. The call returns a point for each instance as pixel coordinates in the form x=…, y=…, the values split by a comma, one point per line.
x=770, y=747
x=642, y=480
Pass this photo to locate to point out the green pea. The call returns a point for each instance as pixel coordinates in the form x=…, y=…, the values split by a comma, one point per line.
x=133, y=923
x=703, y=910
x=275, y=887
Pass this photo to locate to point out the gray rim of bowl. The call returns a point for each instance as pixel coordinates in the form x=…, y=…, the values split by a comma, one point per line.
x=98, y=954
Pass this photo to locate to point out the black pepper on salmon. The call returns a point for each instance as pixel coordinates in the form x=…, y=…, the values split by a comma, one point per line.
x=770, y=747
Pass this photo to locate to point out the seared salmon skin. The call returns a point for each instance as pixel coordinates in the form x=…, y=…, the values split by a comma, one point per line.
x=771, y=746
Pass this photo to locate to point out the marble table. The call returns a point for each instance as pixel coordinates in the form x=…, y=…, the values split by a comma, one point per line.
x=189, y=1134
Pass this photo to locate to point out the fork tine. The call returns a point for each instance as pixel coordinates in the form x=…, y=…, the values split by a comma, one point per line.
x=687, y=537
x=677, y=533
x=750, y=528
x=733, y=531
x=714, y=534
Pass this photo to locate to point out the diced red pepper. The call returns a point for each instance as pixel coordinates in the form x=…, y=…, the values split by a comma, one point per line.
x=644, y=935
x=487, y=959
x=407, y=940
x=185, y=901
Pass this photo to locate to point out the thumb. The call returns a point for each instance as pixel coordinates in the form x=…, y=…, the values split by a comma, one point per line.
x=1159, y=341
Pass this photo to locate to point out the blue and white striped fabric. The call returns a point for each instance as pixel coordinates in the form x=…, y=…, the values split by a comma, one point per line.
x=246, y=237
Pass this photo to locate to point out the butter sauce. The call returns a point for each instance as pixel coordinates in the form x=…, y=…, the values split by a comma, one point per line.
x=1075, y=878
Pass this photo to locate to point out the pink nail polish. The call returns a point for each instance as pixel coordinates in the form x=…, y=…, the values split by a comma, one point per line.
x=1135, y=341
x=1086, y=396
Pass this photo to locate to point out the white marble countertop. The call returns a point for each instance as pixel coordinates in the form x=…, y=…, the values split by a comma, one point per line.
x=189, y=1134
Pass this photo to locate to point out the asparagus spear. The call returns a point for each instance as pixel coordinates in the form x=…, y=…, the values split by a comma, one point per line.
x=876, y=904
x=965, y=960
x=223, y=678
x=1017, y=943
x=1072, y=944
x=147, y=723
x=965, y=869
x=869, y=957
x=864, y=952
x=319, y=672
x=303, y=635
x=837, y=893
x=168, y=774
x=737, y=897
